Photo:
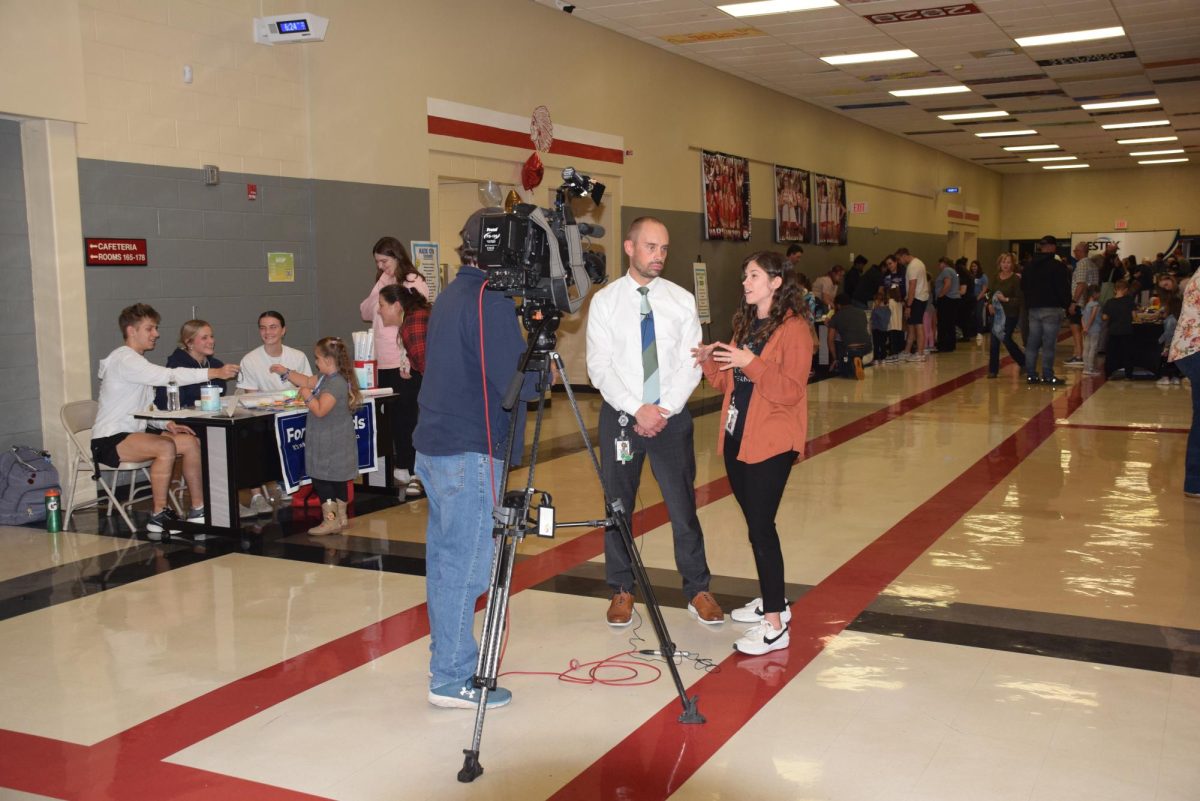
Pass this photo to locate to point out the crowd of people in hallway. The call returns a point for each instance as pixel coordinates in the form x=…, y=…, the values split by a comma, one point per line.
x=909, y=312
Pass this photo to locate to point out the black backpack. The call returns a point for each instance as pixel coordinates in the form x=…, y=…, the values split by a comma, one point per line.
x=25, y=475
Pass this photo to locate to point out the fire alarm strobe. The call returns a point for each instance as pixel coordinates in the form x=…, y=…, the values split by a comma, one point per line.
x=290, y=28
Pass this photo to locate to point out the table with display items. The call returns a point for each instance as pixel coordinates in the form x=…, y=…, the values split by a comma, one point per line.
x=1145, y=351
x=239, y=449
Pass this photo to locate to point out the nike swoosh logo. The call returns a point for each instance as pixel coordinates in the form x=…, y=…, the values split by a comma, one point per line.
x=773, y=640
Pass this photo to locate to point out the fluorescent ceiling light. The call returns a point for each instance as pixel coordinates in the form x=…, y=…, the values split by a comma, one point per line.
x=1116, y=126
x=1157, y=152
x=863, y=58
x=1020, y=148
x=1064, y=166
x=763, y=7
x=1148, y=140
x=1162, y=161
x=1055, y=158
x=1073, y=36
x=1022, y=132
x=1149, y=101
x=933, y=90
x=974, y=115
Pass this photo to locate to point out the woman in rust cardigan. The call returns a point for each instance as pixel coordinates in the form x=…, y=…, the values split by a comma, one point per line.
x=764, y=375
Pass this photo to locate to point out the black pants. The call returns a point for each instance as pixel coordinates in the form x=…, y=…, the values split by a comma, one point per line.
x=947, y=318
x=673, y=462
x=1119, y=354
x=758, y=489
x=330, y=490
x=405, y=420
x=895, y=343
x=879, y=338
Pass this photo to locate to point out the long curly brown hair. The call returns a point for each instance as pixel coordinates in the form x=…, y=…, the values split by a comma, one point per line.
x=788, y=299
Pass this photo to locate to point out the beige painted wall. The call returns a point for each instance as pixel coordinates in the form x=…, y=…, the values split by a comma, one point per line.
x=1149, y=197
x=245, y=110
x=40, y=59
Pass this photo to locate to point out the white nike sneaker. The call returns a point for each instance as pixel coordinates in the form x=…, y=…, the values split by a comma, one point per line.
x=753, y=613
x=762, y=639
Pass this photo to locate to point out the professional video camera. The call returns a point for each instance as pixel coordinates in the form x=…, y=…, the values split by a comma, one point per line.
x=538, y=254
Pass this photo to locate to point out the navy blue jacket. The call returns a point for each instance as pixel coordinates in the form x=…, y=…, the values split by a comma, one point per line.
x=451, y=418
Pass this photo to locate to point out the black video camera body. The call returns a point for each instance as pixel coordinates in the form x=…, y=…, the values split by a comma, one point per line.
x=538, y=254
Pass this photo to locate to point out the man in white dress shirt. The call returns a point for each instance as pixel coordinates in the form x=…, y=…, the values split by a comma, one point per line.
x=640, y=333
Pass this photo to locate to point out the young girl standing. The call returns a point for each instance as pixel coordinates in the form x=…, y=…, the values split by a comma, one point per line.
x=764, y=375
x=330, y=449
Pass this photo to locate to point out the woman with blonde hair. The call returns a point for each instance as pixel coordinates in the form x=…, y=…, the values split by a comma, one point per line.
x=1008, y=295
x=195, y=349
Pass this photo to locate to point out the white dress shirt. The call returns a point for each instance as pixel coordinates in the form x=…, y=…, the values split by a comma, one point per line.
x=614, y=343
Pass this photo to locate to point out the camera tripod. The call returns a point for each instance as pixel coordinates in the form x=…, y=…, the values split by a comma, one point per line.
x=513, y=523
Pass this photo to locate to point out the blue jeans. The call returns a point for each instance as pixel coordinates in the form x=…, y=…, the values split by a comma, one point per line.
x=1190, y=367
x=459, y=548
x=1044, y=323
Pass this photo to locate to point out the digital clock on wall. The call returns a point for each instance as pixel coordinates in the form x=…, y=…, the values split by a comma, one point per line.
x=290, y=28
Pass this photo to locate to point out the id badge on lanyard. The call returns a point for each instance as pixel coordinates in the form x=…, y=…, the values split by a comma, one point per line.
x=731, y=417
x=622, y=443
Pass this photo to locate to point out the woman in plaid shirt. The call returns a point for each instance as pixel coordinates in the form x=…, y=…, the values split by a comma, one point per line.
x=408, y=307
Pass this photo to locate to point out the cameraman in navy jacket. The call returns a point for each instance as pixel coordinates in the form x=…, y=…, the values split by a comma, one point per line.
x=460, y=437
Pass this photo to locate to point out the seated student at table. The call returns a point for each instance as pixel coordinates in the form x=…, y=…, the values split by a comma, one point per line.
x=256, y=373
x=127, y=381
x=853, y=339
x=195, y=349
x=256, y=376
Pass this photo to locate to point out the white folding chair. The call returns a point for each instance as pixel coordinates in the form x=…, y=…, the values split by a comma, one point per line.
x=78, y=417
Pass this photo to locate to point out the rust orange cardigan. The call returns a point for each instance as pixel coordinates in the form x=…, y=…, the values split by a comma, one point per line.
x=777, y=420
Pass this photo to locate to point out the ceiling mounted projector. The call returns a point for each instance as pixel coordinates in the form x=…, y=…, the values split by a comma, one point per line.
x=290, y=28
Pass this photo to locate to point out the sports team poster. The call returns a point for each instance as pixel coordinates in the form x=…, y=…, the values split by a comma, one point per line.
x=791, y=204
x=726, y=196
x=829, y=210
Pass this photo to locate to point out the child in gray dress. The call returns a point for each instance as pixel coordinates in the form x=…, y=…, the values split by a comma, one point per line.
x=330, y=449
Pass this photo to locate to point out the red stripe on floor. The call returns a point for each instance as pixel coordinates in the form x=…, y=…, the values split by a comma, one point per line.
x=656, y=759
x=67, y=770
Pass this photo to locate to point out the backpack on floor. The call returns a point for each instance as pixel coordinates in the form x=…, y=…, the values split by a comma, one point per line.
x=25, y=475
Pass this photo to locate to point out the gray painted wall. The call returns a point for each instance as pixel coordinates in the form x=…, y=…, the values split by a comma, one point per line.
x=724, y=259
x=20, y=411
x=349, y=219
x=207, y=248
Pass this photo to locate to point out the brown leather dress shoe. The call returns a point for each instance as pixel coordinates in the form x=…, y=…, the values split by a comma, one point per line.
x=620, y=611
x=706, y=609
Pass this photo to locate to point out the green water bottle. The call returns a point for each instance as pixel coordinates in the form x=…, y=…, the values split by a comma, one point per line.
x=53, y=510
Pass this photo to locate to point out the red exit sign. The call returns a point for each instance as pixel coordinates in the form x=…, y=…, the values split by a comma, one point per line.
x=107, y=252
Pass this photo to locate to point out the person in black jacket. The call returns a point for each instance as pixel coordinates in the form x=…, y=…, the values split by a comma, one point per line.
x=868, y=285
x=1046, y=286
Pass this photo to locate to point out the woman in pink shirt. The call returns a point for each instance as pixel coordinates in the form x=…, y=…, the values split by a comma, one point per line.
x=393, y=266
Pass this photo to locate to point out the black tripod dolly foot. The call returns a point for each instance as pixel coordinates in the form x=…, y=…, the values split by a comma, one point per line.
x=691, y=712
x=471, y=768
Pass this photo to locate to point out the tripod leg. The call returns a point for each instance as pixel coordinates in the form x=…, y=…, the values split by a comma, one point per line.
x=491, y=642
x=618, y=518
